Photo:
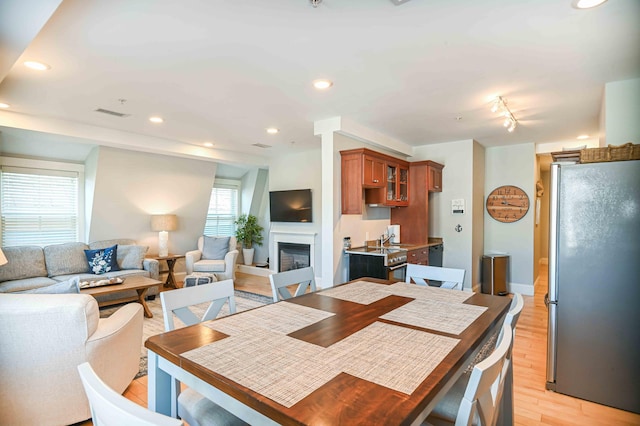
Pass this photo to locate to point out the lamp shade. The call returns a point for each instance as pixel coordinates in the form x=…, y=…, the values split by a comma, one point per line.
x=164, y=222
x=3, y=259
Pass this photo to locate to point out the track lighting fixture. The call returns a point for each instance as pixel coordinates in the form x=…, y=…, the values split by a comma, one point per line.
x=315, y=3
x=500, y=106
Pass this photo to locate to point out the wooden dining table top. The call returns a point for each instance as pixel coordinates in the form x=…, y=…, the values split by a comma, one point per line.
x=396, y=390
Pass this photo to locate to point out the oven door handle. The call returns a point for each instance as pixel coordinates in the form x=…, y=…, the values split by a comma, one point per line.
x=393, y=268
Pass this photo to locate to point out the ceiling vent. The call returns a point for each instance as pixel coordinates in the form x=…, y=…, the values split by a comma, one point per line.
x=114, y=113
x=261, y=145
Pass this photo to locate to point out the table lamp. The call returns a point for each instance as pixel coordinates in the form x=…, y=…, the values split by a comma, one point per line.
x=3, y=259
x=163, y=223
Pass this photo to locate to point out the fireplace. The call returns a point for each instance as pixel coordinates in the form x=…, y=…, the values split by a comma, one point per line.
x=294, y=239
x=293, y=256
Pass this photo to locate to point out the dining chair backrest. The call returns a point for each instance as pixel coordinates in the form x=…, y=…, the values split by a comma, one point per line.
x=420, y=274
x=304, y=277
x=483, y=395
x=515, y=309
x=180, y=302
x=110, y=408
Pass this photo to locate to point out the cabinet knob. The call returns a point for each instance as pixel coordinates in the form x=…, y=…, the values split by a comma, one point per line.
x=436, y=186
x=376, y=181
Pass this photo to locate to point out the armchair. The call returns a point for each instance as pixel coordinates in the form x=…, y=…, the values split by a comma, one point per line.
x=44, y=338
x=223, y=269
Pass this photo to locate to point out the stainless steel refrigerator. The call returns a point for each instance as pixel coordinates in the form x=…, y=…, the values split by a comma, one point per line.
x=594, y=283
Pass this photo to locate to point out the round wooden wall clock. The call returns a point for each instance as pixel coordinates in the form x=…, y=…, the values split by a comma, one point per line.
x=507, y=204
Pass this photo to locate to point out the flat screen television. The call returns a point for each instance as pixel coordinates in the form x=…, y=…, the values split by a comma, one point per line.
x=290, y=206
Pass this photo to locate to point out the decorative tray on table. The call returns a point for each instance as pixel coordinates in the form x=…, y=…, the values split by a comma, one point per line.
x=100, y=283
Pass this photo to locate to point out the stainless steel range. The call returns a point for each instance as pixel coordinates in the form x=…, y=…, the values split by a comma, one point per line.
x=385, y=263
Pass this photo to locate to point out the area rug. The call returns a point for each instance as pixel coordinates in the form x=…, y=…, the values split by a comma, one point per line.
x=155, y=325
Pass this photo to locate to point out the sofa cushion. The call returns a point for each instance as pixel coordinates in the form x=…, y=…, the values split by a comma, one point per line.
x=209, y=266
x=215, y=248
x=71, y=285
x=23, y=262
x=66, y=258
x=102, y=260
x=25, y=284
x=131, y=256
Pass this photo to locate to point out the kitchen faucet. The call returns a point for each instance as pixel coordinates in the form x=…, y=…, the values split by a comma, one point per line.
x=384, y=240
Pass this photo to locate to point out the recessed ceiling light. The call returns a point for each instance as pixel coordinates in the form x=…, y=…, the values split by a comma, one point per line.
x=156, y=120
x=322, y=84
x=272, y=130
x=208, y=144
x=586, y=4
x=3, y=105
x=39, y=66
x=583, y=137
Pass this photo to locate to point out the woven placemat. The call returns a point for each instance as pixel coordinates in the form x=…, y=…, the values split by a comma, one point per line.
x=362, y=292
x=452, y=318
x=432, y=293
x=281, y=317
x=396, y=357
x=286, y=369
x=279, y=367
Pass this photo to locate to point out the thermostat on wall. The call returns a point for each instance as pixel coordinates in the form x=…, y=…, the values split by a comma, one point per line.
x=457, y=206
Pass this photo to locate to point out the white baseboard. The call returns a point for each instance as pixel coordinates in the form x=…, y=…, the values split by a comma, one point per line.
x=524, y=289
x=254, y=270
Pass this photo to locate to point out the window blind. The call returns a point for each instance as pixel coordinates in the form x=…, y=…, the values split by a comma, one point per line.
x=38, y=207
x=223, y=211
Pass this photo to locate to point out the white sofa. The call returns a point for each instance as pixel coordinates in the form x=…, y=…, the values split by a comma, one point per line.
x=223, y=269
x=44, y=337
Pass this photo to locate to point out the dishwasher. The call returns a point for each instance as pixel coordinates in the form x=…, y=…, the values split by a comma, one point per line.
x=435, y=259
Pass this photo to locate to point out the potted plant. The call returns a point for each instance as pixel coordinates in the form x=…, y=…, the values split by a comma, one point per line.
x=248, y=232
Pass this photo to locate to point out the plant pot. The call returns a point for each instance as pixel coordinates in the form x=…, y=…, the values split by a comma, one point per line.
x=248, y=255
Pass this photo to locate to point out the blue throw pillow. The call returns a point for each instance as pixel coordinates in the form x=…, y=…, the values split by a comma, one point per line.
x=103, y=260
x=215, y=248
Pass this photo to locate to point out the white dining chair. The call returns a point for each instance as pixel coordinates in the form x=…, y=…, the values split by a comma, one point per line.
x=194, y=408
x=108, y=407
x=478, y=401
x=304, y=277
x=421, y=274
x=180, y=302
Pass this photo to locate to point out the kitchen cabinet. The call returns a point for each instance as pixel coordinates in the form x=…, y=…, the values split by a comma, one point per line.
x=414, y=219
x=419, y=256
x=434, y=181
x=373, y=177
x=372, y=172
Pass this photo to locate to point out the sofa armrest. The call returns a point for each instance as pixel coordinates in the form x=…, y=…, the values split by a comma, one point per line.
x=114, y=349
x=153, y=266
x=230, y=264
x=190, y=258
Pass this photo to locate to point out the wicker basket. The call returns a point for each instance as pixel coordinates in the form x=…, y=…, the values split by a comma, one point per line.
x=595, y=155
x=628, y=151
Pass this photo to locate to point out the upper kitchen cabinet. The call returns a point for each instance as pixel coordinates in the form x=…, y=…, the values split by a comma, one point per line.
x=434, y=176
x=374, y=177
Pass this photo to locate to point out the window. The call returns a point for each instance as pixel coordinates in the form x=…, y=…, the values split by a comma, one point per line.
x=223, y=208
x=40, y=206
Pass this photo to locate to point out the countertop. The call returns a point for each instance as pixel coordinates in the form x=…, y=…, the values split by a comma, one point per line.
x=391, y=248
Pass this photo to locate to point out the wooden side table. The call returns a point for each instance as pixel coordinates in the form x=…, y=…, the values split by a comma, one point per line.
x=171, y=260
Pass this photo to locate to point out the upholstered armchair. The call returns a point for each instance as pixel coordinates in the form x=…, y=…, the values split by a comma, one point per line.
x=213, y=256
x=43, y=339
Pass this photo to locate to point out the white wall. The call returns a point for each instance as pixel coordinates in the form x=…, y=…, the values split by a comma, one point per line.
x=131, y=186
x=512, y=165
x=461, y=161
x=622, y=112
x=299, y=171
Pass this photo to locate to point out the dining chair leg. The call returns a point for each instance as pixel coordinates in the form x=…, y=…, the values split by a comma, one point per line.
x=161, y=397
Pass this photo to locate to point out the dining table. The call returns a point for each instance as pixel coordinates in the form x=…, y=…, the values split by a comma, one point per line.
x=366, y=352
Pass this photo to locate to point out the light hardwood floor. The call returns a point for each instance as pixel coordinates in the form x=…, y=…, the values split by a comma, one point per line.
x=533, y=404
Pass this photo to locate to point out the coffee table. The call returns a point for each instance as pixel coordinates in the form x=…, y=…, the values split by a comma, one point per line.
x=138, y=283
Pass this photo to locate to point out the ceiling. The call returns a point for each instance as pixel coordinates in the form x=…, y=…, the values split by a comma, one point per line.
x=421, y=72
